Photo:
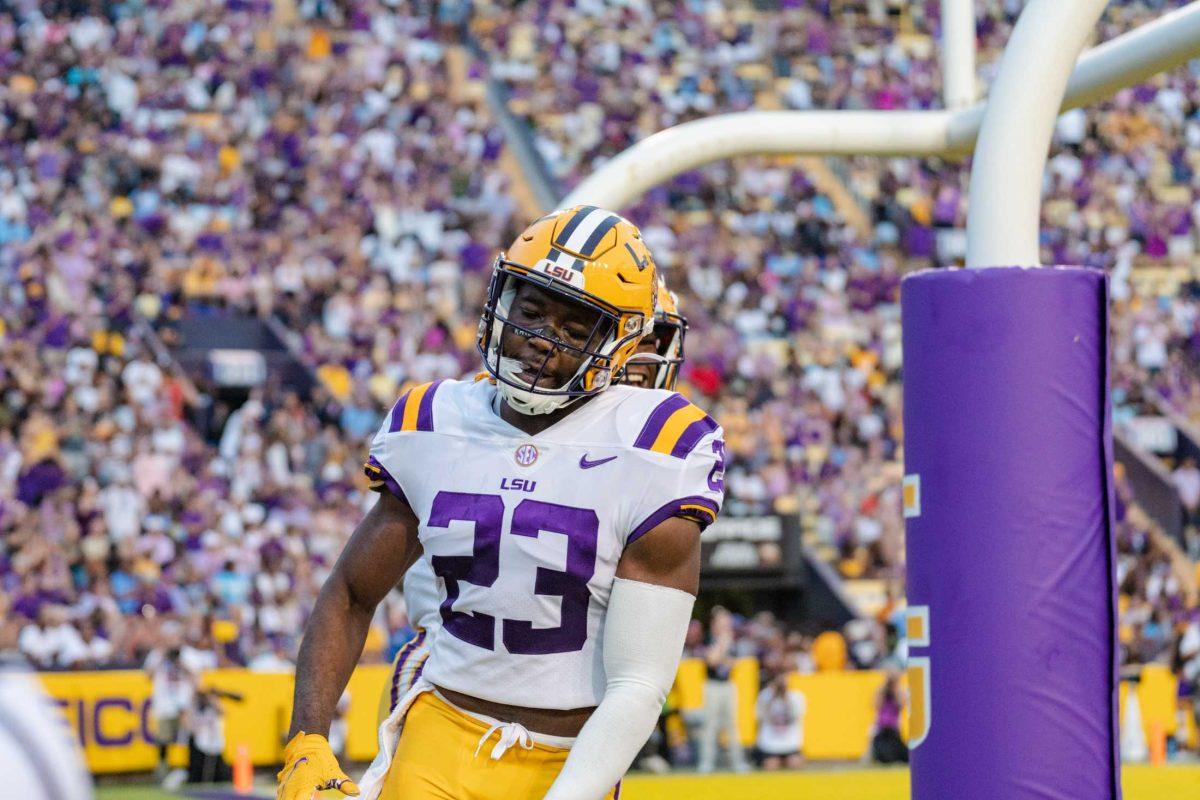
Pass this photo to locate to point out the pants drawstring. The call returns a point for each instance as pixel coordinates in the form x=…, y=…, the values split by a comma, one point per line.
x=511, y=735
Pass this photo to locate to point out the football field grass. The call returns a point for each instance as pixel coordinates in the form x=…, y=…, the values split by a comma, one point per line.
x=850, y=783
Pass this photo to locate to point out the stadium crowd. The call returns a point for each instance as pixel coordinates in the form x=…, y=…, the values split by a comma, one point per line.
x=331, y=167
x=173, y=159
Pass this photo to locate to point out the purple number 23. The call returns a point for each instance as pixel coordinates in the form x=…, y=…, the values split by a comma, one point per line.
x=482, y=567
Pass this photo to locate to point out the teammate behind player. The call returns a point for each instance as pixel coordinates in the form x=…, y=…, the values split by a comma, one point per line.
x=655, y=364
x=659, y=356
x=562, y=518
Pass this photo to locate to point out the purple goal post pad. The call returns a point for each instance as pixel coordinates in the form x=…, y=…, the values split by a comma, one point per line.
x=1008, y=506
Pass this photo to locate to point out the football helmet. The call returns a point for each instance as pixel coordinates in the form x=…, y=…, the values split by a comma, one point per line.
x=670, y=329
x=584, y=255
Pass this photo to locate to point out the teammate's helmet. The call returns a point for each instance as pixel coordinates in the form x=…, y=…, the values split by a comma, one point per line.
x=670, y=329
x=39, y=757
x=584, y=255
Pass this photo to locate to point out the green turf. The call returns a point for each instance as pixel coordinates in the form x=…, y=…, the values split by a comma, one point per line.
x=263, y=788
x=145, y=791
x=853, y=783
x=130, y=792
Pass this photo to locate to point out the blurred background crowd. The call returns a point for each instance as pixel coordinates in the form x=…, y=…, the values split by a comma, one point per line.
x=335, y=169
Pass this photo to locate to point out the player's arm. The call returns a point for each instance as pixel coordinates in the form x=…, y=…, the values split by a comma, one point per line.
x=382, y=548
x=648, y=614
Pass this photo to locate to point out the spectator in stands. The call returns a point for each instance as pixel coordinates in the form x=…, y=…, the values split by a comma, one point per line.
x=887, y=747
x=780, y=711
x=1186, y=664
x=91, y=650
x=720, y=695
x=1186, y=478
x=172, y=693
x=50, y=642
x=273, y=656
x=205, y=726
x=798, y=654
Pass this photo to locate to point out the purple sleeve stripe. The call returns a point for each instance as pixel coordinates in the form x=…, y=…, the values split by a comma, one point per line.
x=658, y=418
x=405, y=651
x=420, y=668
x=397, y=418
x=692, y=436
x=381, y=478
x=425, y=413
x=693, y=508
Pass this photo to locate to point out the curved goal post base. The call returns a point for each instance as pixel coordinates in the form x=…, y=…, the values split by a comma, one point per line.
x=1009, y=523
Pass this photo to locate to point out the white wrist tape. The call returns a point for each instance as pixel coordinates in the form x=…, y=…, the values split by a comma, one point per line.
x=644, y=631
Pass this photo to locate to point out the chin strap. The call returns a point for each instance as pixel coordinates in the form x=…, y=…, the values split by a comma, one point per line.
x=526, y=402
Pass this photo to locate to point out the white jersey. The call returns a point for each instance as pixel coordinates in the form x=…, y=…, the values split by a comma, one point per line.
x=524, y=532
x=422, y=598
x=39, y=757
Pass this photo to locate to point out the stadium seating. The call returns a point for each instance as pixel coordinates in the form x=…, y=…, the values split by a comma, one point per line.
x=194, y=160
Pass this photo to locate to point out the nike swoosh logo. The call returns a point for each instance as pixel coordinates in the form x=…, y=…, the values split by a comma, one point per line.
x=584, y=463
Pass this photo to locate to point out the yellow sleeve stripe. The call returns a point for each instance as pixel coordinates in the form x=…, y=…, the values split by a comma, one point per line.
x=708, y=512
x=412, y=407
x=676, y=424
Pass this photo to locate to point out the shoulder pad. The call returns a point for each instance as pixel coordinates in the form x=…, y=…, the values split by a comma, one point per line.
x=414, y=411
x=673, y=426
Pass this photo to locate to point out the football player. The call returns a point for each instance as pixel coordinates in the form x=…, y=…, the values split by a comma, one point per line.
x=655, y=363
x=38, y=755
x=562, y=516
x=659, y=356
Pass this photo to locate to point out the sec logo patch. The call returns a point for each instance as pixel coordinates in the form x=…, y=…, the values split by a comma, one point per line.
x=525, y=455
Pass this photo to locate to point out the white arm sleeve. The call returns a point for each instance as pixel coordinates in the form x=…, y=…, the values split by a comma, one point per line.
x=643, y=640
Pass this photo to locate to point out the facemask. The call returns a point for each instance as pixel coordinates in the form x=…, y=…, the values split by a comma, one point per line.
x=524, y=401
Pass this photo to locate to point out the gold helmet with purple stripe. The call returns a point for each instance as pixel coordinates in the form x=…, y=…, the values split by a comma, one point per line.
x=597, y=262
x=659, y=357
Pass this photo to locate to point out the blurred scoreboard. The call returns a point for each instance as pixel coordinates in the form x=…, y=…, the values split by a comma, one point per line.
x=762, y=549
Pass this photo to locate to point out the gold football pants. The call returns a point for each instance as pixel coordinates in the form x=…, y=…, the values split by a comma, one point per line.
x=440, y=757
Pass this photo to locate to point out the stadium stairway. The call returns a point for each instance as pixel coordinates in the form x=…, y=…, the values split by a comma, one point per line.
x=518, y=183
x=1147, y=446
x=824, y=176
x=827, y=176
x=1182, y=567
x=537, y=191
x=1151, y=481
x=233, y=353
x=529, y=178
x=1160, y=436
